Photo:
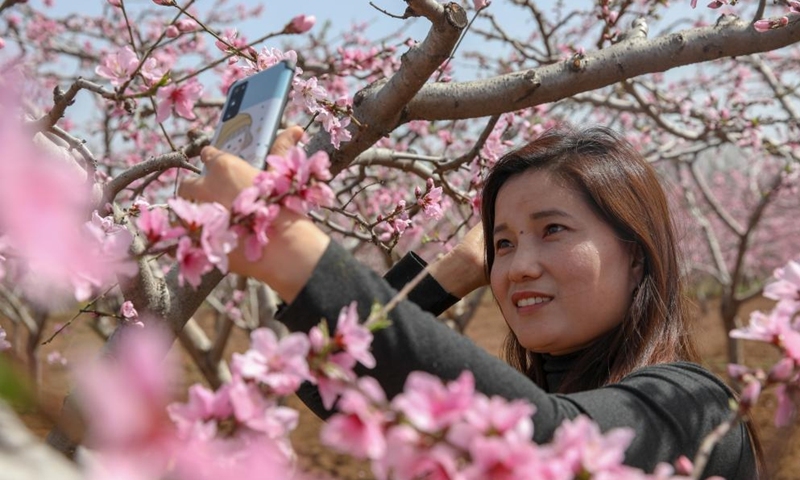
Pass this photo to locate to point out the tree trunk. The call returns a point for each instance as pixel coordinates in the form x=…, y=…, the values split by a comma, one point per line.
x=729, y=307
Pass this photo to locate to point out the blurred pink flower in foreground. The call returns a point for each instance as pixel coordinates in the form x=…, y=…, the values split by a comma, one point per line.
x=4, y=345
x=125, y=398
x=49, y=241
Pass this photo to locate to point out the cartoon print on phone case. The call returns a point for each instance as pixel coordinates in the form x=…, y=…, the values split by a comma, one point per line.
x=235, y=135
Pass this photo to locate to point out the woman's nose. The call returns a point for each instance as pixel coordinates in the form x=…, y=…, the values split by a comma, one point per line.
x=526, y=264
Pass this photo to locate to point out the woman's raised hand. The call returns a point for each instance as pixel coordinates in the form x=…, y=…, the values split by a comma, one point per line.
x=295, y=243
x=462, y=270
x=227, y=175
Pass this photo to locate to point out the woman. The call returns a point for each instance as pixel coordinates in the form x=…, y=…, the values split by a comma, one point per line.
x=580, y=255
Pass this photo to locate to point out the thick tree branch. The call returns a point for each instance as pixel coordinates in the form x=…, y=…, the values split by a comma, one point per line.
x=380, y=107
x=602, y=68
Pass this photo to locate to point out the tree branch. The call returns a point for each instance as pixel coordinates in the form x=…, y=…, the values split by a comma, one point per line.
x=602, y=68
x=711, y=238
x=711, y=199
x=158, y=164
x=380, y=107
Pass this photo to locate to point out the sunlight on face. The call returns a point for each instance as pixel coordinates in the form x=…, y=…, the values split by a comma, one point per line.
x=561, y=276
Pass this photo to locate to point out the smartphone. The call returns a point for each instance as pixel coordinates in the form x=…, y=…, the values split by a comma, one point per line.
x=252, y=113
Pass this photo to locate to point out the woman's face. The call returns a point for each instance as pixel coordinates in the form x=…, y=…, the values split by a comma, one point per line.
x=560, y=275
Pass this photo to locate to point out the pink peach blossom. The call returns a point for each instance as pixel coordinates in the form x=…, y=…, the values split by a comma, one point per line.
x=118, y=66
x=431, y=406
x=278, y=364
x=180, y=98
x=358, y=428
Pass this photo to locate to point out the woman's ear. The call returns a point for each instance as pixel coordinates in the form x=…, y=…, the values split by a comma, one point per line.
x=637, y=265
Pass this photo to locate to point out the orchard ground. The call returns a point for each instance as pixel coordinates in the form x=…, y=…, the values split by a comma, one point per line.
x=781, y=446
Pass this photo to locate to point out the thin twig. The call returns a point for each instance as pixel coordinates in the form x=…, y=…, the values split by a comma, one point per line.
x=401, y=295
x=704, y=452
x=83, y=310
x=762, y=5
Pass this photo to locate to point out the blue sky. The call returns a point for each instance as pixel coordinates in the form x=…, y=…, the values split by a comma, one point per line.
x=342, y=13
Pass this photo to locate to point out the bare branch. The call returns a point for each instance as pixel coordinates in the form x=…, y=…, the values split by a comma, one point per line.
x=752, y=222
x=709, y=197
x=405, y=162
x=195, y=341
x=177, y=159
x=710, y=236
x=62, y=100
x=474, y=151
x=651, y=111
x=79, y=145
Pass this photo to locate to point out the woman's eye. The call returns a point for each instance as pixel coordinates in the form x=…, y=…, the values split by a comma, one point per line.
x=554, y=228
x=501, y=244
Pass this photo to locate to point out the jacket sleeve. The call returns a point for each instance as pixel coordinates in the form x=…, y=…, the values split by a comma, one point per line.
x=428, y=294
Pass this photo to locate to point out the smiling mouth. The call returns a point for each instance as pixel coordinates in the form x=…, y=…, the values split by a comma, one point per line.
x=526, y=302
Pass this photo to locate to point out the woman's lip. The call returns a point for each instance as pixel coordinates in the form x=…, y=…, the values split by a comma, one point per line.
x=540, y=299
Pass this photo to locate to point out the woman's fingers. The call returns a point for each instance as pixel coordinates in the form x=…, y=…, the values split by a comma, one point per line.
x=209, y=153
x=286, y=140
x=193, y=189
x=226, y=174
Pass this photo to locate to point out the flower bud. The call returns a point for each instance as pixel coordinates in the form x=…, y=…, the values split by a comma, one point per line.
x=300, y=24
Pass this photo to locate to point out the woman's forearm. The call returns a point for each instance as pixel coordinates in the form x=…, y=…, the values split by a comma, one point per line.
x=289, y=258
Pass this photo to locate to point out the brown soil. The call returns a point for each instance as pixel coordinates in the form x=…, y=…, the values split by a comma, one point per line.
x=781, y=446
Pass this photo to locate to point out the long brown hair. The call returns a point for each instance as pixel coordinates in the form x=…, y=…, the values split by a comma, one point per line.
x=624, y=190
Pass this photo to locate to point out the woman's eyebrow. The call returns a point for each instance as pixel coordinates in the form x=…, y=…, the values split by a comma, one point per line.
x=553, y=212
x=549, y=213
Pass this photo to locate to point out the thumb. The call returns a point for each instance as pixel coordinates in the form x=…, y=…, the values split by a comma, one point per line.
x=192, y=188
x=286, y=140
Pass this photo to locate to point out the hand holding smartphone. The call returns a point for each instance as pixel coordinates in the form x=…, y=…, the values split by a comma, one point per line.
x=252, y=113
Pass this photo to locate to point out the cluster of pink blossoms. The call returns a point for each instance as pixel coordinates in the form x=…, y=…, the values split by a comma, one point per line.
x=449, y=431
x=202, y=235
x=432, y=430
x=247, y=416
x=431, y=200
x=779, y=327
